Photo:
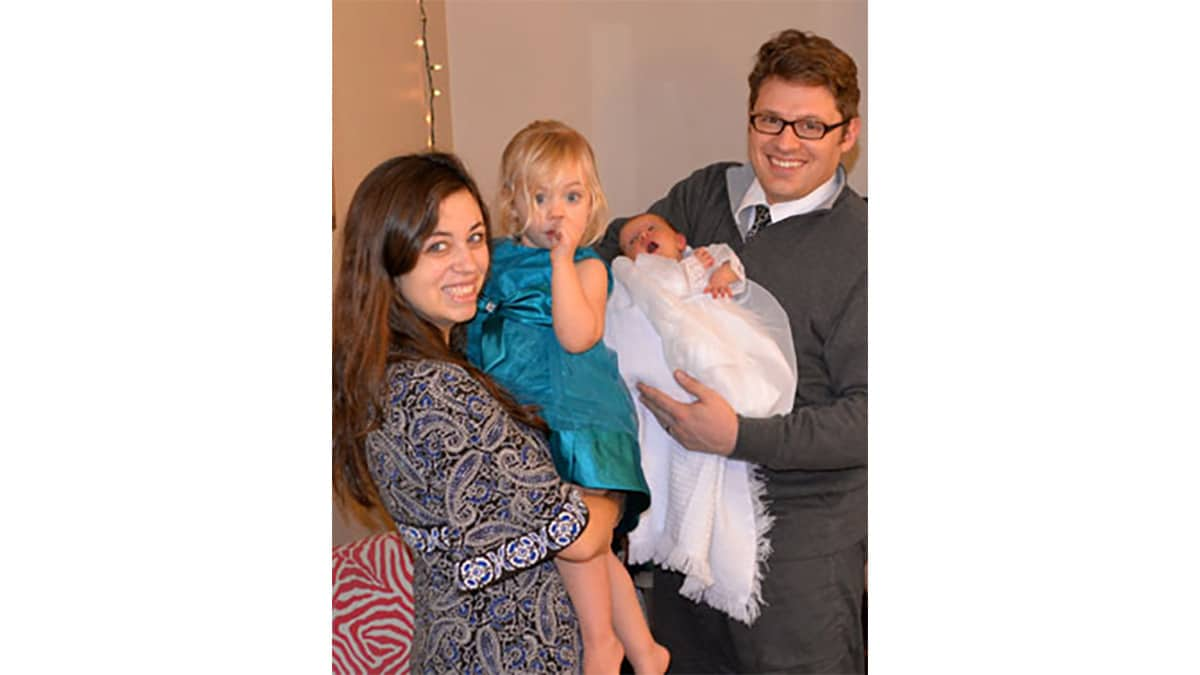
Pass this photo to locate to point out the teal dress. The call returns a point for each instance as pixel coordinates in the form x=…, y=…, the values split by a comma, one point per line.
x=593, y=426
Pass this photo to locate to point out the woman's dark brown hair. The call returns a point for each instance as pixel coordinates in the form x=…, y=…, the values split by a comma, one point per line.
x=392, y=213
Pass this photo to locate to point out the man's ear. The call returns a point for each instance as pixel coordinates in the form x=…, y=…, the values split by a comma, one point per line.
x=850, y=137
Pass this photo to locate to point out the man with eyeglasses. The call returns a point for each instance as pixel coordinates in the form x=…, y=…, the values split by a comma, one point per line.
x=801, y=232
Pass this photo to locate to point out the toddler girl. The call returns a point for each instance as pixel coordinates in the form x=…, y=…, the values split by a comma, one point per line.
x=538, y=333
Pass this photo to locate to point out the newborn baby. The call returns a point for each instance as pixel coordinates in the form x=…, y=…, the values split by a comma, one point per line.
x=649, y=233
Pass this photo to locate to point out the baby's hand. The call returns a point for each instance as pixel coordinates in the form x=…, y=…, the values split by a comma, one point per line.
x=718, y=283
x=704, y=257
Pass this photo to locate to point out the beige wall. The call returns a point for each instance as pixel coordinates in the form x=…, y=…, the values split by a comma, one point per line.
x=379, y=106
x=659, y=87
x=379, y=88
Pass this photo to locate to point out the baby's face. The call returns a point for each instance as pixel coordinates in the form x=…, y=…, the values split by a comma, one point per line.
x=648, y=233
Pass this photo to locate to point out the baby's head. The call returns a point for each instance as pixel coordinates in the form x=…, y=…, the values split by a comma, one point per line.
x=544, y=161
x=649, y=233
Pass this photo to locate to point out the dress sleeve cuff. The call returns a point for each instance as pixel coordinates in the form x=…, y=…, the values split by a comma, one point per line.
x=526, y=550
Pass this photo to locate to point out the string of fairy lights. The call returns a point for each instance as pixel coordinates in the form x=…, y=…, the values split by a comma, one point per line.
x=431, y=92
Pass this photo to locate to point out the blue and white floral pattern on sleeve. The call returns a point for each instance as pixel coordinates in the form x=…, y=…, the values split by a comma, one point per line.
x=527, y=550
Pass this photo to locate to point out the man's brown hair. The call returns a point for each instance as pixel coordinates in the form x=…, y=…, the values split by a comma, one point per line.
x=808, y=59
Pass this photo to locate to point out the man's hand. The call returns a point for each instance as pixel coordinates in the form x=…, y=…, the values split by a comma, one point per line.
x=708, y=424
x=718, y=283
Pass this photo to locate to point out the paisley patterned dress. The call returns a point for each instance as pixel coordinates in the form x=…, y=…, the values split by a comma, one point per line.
x=475, y=494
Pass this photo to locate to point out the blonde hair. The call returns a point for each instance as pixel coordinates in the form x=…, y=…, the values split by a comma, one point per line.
x=533, y=156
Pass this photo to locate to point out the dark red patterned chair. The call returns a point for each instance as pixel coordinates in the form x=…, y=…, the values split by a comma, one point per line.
x=372, y=605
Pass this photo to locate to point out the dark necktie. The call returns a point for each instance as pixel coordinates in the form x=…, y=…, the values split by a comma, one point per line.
x=762, y=220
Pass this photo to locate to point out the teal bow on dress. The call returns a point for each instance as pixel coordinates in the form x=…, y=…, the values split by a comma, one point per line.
x=527, y=305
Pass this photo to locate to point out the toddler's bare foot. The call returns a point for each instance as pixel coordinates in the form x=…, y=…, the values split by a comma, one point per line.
x=603, y=657
x=653, y=663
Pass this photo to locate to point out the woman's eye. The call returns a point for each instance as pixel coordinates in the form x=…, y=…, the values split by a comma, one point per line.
x=436, y=247
x=574, y=197
x=539, y=199
x=475, y=238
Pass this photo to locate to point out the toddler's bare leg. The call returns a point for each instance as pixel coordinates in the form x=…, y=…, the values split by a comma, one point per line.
x=645, y=655
x=587, y=582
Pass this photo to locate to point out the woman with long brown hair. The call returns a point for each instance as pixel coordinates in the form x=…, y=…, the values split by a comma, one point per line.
x=462, y=470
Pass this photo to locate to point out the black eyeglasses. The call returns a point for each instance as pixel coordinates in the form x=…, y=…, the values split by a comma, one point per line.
x=808, y=128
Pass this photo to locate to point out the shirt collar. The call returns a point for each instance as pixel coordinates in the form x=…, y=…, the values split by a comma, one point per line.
x=821, y=198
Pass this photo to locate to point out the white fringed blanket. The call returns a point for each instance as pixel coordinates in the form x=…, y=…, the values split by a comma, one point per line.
x=707, y=517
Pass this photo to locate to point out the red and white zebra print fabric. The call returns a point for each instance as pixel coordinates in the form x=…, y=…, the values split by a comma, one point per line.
x=372, y=605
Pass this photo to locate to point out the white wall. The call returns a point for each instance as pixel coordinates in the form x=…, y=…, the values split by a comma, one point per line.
x=658, y=86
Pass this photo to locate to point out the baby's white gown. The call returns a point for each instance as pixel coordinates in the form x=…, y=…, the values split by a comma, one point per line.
x=707, y=518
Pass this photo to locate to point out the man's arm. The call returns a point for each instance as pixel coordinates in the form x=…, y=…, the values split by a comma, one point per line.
x=827, y=436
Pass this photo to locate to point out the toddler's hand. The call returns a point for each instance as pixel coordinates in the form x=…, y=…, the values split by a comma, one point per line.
x=704, y=257
x=566, y=239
